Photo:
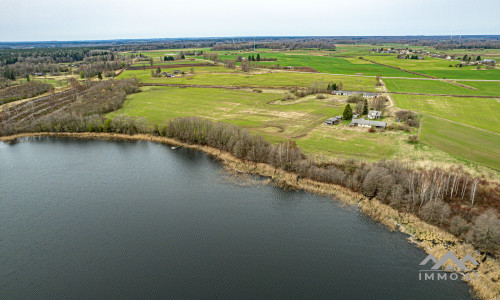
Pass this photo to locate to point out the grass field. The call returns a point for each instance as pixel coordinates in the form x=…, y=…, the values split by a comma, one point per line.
x=328, y=64
x=437, y=67
x=478, y=112
x=256, y=80
x=484, y=88
x=461, y=141
x=301, y=120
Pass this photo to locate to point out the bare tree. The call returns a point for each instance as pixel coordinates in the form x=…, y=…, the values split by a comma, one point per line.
x=378, y=103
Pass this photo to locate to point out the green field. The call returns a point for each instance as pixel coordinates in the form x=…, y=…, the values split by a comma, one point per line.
x=327, y=64
x=478, y=112
x=462, y=142
x=437, y=67
x=484, y=88
x=257, y=80
x=301, y=120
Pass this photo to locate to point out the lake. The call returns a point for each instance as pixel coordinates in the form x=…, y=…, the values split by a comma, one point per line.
x=97, y=219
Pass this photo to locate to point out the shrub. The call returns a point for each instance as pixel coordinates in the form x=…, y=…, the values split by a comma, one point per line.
x=320, y=96
x=413, y=139
x=459, y=227
x=436, y=212
x=485, y=232
x=355, y=98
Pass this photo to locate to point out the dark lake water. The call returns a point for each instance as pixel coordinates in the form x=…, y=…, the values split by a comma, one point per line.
x=95, y=219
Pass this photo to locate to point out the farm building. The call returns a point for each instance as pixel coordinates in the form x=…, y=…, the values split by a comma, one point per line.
x=177, y=71
x=170, y=75
x=349, y=93
x=367, y=123
x=489, y=61
x=333, y=121
x=374, y=114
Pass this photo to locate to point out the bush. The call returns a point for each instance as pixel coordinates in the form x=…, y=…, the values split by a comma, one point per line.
x=413, y=139
x=436, y=212
x=459, y=227
x=320, y=96
x=485, y=232
x=355, y=98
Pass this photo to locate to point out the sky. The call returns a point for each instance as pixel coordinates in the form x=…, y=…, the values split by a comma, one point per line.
x=66, y=20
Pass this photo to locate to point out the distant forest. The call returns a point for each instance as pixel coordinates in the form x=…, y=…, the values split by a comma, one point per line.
x=299, y=42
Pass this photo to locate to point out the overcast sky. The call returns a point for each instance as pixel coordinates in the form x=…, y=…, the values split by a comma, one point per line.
x=38, y=20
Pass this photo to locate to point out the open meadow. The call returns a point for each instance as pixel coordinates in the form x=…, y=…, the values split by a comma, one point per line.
x=465, y=143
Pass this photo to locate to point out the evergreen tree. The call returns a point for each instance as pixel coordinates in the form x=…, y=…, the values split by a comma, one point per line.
x=329, y=87
x=365, y=107
x=347, y=115
x=334, y=86
x=478, y=58
x=253, y=58
x=27, y=77
x=258, y=57
x=99, y=75
x=249, y=58
x=158, y=70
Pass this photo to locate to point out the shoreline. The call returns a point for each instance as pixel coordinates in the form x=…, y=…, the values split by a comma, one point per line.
x=431, y=239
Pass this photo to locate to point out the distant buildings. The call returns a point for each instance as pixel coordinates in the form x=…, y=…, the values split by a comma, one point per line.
x=367, y=123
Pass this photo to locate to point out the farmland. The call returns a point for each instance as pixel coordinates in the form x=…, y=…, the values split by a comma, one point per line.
x=480, y=88
x=478, y=112
x=264, y=99
x=265, y=114
x=462, y=142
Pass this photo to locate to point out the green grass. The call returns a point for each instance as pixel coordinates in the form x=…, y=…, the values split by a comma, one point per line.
x=256, y=80
x=328, y=64
x=461, y=141
x=301, y=120
x=441, y=87
x=483, y=113
x=169, y=62
x=437, y=67
x=331, y=140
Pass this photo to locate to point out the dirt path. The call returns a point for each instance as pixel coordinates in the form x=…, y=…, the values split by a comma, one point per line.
x=387, y=94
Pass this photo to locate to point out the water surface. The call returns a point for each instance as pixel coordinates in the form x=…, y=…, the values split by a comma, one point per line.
x=95, y=219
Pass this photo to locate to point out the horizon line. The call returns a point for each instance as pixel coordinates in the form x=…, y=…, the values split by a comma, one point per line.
x=244, y=36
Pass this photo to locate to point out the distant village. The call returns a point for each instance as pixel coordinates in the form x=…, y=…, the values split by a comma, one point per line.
x=420, y=54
